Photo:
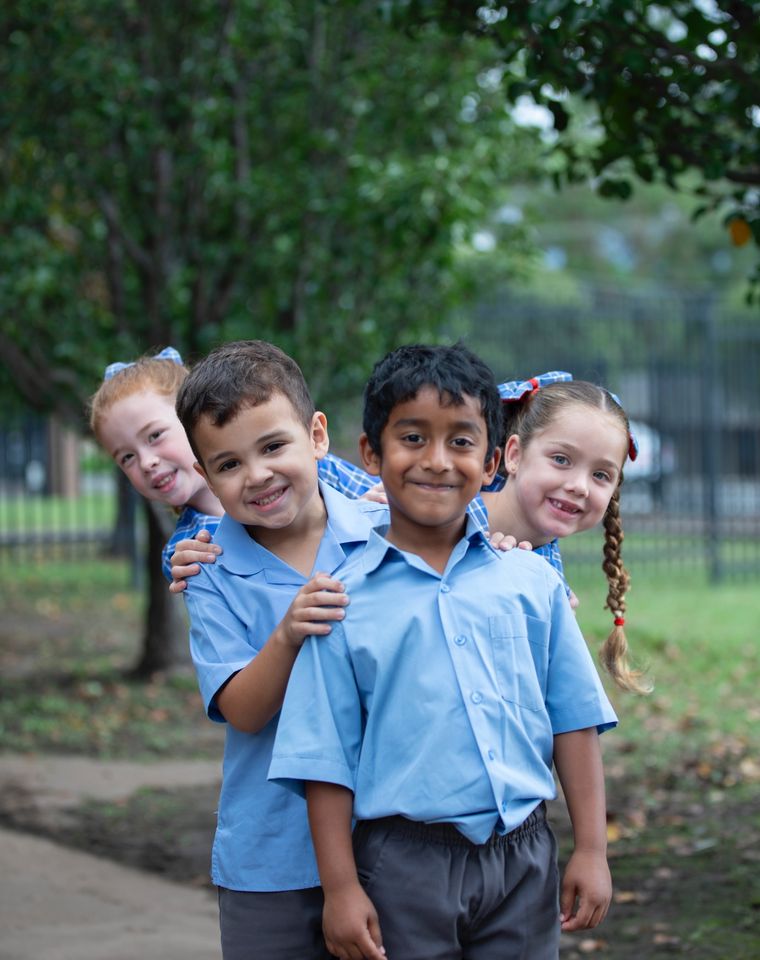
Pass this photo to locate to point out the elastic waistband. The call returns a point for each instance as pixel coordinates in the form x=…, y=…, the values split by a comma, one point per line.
x=448, y=834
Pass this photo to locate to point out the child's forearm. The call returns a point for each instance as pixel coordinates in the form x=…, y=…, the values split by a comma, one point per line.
x=330, y=810
x=578, y=759
x=255, y=694
x=349, y=922
x=586, y=888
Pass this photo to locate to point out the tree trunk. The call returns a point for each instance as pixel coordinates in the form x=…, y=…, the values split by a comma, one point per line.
x=165, y=638
x=122, y=539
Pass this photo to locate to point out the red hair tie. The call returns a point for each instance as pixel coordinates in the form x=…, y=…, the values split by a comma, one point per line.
x=619, y=621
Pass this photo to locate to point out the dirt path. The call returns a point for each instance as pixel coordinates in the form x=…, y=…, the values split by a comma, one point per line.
x=60, y=782
x=57, y=903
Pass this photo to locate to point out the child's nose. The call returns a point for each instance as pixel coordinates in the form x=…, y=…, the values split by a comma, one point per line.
x=577, y=482
x=257, y=472
x=438, y=457
x=148, y=460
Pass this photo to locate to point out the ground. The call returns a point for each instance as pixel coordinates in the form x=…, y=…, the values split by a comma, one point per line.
x=129, y=773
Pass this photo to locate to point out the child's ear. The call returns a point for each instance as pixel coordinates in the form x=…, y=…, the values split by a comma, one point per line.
x=491, y=466
x=512, y=454
x=319, y=437
x=370, y=459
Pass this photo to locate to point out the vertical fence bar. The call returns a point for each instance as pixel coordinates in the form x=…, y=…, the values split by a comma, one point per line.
x=704, y=318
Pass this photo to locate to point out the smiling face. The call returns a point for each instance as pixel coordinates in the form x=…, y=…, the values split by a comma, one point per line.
x=562, y=481
x=146, y=440
x=432, y=463
x=262, y=465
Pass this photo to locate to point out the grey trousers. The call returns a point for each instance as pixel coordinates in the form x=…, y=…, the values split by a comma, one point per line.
x=286, y=925
x=441, y=897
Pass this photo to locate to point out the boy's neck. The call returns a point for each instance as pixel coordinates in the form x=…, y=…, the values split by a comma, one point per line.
x=437, y=545
x=298, y=543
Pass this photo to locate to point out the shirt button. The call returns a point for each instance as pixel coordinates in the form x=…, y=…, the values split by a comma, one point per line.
x=476, y=696
x=491, y=755
x=445, y=588
x=503, y=806
x=460, y=640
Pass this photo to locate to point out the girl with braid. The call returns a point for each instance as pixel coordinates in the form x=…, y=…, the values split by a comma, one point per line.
x=562, y=469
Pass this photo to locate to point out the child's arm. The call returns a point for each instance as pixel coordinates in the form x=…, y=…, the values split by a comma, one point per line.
x=254, y=694
x=586, y=885
x=349, y=923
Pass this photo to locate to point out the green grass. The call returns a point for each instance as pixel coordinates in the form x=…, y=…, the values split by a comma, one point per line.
x=56, y=514
x=695, y=642
x=69, y=635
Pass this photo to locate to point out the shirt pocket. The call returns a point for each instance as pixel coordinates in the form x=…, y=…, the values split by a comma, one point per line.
x=520, y=659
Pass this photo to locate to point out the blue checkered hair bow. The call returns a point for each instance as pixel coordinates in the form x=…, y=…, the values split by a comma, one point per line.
x=513, y=390
x=168, y=353
x=517, y=389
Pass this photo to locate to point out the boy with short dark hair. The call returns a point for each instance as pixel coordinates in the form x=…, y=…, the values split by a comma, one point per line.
x=253, y=427
x=433, y=712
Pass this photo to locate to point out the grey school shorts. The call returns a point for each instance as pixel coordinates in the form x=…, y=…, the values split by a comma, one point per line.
x=441, y=897
x=286, y=925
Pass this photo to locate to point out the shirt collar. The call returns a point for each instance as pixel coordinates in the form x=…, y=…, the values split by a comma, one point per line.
x=378, y=547
x=349, y=520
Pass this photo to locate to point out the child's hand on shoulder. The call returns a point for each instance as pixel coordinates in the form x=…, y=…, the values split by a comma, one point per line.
x=186, y=557
x=505, y=542
x=316, y=604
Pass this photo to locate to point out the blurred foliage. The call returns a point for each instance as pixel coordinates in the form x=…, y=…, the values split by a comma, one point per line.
x=297, y=171
x=645, y=244
x=673, y=87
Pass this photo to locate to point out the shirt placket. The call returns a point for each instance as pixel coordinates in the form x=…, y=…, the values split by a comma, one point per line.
x=481, y=699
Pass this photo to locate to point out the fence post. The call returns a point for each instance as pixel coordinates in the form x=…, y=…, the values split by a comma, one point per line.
x=709, y=392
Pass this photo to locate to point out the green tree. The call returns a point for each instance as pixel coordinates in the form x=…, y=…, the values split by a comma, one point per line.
x=673, y=86
x=187, y=173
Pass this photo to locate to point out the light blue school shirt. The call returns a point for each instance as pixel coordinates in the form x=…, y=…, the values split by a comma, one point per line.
x=262, y=840
x=439, y=695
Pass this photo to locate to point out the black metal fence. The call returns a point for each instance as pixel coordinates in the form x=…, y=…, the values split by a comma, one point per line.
x=688, y=375
x=59, y=500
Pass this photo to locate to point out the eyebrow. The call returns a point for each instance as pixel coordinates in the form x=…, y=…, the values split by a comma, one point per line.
x=222, y=455
x=471, y=425
x=128, y=446
x=278, y=434
x=566, y=445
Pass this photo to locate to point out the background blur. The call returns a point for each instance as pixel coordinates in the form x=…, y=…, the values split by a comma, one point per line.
x=562, y=185
x=345, y=177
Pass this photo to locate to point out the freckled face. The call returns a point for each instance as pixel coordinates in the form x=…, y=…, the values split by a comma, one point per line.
x=566, y=475
x=146, y=440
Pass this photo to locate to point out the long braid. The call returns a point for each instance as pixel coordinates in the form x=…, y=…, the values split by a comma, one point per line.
x=614, y=651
